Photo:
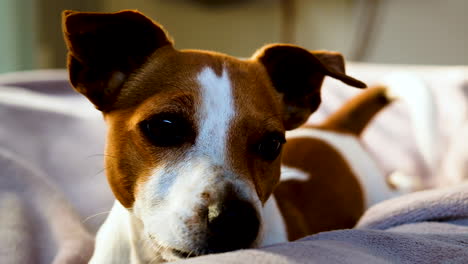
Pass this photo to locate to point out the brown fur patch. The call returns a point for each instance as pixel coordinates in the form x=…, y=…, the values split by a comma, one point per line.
x=330, y=199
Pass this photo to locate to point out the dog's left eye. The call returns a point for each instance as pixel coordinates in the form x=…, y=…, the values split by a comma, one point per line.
x=270, y=146
x=168, y=130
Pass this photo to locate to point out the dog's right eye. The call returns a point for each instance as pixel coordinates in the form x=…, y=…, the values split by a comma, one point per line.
x=270, y=146
x=168, y=130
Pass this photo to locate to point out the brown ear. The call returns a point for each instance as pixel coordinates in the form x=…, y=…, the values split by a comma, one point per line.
x=105, y=48
x=298, y=75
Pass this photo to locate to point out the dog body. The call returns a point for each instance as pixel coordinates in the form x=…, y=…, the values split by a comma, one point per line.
x=328, y=178
x=194, y=142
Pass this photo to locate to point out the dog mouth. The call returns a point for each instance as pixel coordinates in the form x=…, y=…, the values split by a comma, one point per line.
x=229, y=225
x=236, y=225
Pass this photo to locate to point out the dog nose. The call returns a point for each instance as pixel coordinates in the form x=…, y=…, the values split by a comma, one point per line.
x=232, y=225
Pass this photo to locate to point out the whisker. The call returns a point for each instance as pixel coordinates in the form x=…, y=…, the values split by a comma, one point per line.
x=99, y=172
x=154, y=259
x=156, y=248
x=159, y=249
x=94, y=215
x=189, y=254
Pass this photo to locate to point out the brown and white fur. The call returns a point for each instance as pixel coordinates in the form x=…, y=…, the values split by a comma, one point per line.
x=328, y=177
x=193, y=152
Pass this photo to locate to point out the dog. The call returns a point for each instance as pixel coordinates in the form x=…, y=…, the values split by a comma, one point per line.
x=196, y=139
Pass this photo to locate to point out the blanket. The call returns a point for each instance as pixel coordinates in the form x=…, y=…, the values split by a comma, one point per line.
x=53, y=194
x=424, y=227
x=391, y=138
x=37, y=222
x=52, y=182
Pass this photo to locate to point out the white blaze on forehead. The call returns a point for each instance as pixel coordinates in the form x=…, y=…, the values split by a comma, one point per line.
x=215, y=114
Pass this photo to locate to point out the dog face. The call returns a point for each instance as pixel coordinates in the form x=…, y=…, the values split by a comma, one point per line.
x=195, y=137
x=199, y=157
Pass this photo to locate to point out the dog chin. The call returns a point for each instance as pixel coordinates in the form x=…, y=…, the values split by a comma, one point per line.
x=168, y=253
x=160, y=254
x=174, y=254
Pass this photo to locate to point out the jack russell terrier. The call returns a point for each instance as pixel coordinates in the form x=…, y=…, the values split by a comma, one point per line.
x=196, y=140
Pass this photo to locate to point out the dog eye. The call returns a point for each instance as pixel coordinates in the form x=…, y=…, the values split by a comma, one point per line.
x=270, y=146
x=168, y=130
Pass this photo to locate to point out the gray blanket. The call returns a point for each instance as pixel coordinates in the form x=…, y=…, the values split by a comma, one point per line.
x=424, y=227
x=53, y=194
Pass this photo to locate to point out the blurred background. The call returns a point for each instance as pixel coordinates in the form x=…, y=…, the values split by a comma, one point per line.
x=379, y=31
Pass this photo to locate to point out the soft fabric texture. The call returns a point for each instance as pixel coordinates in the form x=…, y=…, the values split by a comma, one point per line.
x=390, y=137
x=37, y=223
x=424, y=227
x=54, y=160
x=51, y=167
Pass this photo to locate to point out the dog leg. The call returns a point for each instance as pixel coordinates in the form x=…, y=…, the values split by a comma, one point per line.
x=112, y=240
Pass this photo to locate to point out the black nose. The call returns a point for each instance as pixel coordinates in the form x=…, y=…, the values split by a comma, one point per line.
x=232, y=225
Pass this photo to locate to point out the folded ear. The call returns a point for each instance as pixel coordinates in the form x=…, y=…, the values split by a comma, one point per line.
x=298, y=75
x=105, y=48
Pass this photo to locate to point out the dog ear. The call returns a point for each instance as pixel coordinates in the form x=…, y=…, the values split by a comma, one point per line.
x=105, y=48
x=298, y=74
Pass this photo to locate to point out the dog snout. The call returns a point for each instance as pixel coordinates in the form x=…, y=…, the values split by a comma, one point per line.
x=233, y=224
